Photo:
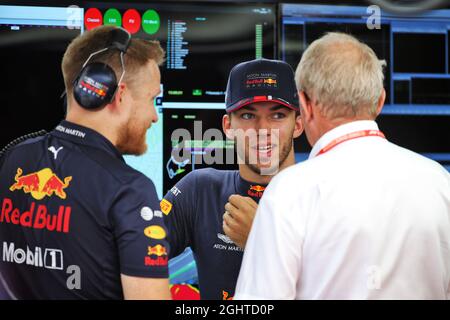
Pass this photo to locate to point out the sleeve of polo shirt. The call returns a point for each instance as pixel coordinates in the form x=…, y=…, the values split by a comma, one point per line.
x=272, y=256
x=178, y=206
x=140, y=231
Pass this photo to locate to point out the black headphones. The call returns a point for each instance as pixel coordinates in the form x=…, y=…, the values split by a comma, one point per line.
x=97, y=84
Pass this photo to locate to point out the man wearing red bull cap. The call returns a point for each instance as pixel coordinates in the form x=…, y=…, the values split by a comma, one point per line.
x=261, y=100
x=76, y=221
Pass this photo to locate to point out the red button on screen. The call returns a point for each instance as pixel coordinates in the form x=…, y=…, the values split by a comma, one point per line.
x=131, y=21
x=93, y=18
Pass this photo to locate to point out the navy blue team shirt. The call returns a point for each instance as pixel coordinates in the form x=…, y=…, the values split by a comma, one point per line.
x=74, y=216
x=193, y=213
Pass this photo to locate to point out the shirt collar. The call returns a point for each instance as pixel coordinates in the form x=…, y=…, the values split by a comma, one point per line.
x=341, y=131
x=82, y=135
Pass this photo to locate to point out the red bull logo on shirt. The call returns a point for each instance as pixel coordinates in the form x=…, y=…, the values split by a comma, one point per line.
x=157, y=250
x=158, y=262
x=36, y=217
x=157, y=256
x=41, y=184
x=256, y=191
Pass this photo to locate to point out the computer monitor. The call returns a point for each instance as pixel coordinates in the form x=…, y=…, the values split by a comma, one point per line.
x=32, y=43
x=417, y=78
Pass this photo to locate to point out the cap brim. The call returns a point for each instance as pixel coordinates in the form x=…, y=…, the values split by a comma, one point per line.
x=245, y=102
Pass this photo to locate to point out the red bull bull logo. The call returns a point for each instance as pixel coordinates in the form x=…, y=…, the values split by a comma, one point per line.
x=157, y=250
x=256, y=191
x=40, y=184
x=157, y=256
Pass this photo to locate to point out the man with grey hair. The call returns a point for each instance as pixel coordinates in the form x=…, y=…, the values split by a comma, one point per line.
x=362, y=218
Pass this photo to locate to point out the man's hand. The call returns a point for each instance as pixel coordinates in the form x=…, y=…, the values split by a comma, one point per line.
x=238, y=218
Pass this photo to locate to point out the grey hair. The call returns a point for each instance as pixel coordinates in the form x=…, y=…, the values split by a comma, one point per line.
x=342, y=75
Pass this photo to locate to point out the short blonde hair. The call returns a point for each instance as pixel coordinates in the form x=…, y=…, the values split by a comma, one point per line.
x=342, y=75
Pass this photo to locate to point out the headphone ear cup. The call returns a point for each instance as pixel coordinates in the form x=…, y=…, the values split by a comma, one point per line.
x=95, y=86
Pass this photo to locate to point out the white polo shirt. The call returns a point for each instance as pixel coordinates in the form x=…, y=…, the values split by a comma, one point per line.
x=365, y=220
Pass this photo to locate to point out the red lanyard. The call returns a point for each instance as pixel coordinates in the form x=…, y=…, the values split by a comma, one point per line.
x=351, y=136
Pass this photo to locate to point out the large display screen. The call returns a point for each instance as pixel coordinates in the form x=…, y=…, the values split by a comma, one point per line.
x=417, y=77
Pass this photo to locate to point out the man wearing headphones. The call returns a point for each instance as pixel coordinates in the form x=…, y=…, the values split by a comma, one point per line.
x=76, y=222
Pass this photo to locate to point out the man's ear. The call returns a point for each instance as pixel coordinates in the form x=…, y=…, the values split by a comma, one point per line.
x=226, y=126
x=305, y=106
x=381, y=101
x=298, y=130
x=116, y=104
